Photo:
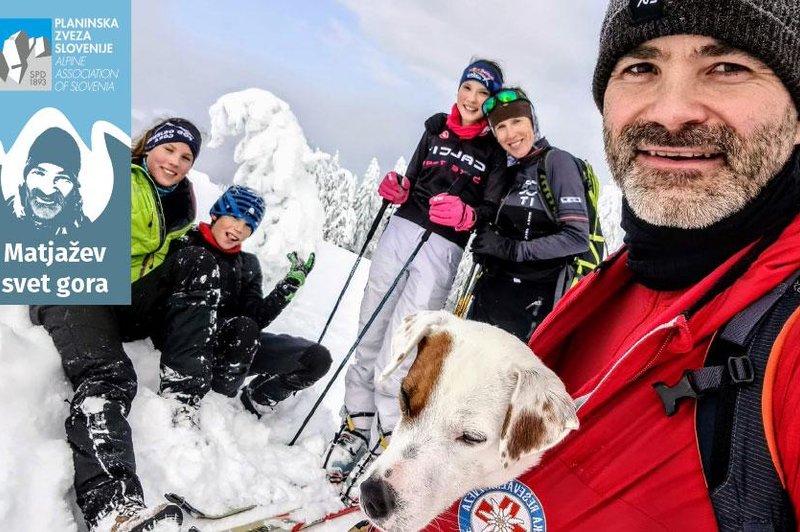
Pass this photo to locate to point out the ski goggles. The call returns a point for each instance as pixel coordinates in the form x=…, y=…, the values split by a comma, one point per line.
x=503, y=96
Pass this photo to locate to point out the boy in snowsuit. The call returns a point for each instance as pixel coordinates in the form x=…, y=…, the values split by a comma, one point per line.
x=282, y=364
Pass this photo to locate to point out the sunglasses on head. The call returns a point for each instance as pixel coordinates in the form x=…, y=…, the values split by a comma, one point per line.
x=503, y=96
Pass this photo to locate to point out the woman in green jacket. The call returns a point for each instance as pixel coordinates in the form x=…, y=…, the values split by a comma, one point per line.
x=162, y=198
x=89, y=338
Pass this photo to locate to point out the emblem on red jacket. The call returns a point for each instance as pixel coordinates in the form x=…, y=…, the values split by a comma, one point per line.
x=512, y=507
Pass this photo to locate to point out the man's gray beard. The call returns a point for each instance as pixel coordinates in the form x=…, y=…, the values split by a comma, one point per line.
x=681, y=199
x=44, y=214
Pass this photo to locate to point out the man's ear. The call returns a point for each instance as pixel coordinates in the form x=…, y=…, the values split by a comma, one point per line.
x=540, y=414
x=797, y=132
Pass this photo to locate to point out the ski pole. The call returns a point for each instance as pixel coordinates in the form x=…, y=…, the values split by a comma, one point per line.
x=361, y=334
x=370, y=234
x=462, y=294
x=465, y=297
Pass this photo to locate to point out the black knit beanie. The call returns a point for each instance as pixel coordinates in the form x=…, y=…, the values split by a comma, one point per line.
x=766, y=29
x=58, y=147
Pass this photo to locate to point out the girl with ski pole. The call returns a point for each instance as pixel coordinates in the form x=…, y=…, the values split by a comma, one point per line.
x=452, y=183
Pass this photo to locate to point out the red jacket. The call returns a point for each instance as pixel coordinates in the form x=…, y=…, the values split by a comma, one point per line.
x=629, y=466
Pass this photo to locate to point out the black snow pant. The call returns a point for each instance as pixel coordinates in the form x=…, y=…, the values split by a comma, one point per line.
x=89, y=340
x=102, y=375
x=176, y=306
x=282, y=364
x=235, y=347
x=517, y=307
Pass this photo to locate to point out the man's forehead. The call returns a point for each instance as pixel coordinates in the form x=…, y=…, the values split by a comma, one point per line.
x=685, y=46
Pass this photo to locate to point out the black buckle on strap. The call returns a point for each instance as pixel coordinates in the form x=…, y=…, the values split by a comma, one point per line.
x=670, y=395
x=740, y=370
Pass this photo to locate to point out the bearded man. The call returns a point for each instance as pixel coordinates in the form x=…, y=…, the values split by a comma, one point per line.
x=49, y=196
x=683, y=349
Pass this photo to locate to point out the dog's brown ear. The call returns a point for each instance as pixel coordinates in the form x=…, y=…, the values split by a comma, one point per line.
x=540, y=414
x=408, y=335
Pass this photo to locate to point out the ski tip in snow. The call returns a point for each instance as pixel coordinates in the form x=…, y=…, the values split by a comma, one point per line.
x=280, y=523
x=200, y=514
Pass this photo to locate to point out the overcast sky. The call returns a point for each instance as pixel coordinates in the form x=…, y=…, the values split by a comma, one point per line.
x=363, y=75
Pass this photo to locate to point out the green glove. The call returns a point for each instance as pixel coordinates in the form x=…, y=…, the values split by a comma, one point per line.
x=298, y=271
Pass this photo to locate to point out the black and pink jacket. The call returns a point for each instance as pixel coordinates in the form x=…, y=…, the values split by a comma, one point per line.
x=470, y=167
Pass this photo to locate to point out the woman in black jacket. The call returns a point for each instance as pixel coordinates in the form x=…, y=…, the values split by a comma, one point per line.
x=450, y=184
x=526, y=248
x=89, y=337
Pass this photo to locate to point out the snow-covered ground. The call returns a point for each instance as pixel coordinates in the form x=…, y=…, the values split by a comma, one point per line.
x=233, y=460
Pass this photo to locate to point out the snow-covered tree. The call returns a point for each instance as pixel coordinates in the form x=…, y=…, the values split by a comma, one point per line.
x=367, y=205
x=274, y=159
x=401, y=165
x=610, y=210
x=461, y=280
x=336, y=192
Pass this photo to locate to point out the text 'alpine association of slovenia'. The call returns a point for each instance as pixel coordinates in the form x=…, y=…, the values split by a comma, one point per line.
x=65, y=87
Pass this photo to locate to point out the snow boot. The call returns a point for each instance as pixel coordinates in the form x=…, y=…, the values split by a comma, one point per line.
x=349, y=492
x=347, y=447
x=259, y=409
x=163, y=518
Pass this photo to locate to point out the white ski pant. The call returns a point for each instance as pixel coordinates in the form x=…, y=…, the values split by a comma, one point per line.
x=424, y=285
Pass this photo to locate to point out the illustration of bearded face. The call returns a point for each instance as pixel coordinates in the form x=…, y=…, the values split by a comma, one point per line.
x=48, y=191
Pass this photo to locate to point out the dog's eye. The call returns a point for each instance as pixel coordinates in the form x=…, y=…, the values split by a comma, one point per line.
x=471, y=438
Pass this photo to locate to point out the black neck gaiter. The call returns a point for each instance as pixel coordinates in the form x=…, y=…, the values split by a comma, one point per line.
x=667, y=258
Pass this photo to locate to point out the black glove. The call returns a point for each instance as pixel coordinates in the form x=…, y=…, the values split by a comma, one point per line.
x=487, y=242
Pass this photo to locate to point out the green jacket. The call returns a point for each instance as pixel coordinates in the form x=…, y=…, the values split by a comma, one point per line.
x=151, y=230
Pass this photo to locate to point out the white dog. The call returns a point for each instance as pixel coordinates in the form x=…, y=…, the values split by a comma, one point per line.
x=479, y=409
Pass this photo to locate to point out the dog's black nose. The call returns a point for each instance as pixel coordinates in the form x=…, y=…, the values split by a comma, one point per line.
x=377, y=498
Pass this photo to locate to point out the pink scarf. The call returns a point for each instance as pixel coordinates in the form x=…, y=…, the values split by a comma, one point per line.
x=466, y=132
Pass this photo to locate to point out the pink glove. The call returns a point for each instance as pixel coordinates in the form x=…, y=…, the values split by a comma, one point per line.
x=394, y=188
x=449, y=210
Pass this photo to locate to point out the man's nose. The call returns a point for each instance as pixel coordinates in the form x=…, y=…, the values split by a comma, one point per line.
x=46, y=186
x=676, y=103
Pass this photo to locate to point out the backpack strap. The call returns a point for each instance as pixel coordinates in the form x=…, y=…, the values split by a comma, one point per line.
x=746, y=488
x=737, y=369
x=542, y=176
x=735, y=437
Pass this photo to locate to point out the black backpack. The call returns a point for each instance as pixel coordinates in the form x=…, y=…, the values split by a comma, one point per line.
x=744, y=482
x=587, y=261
